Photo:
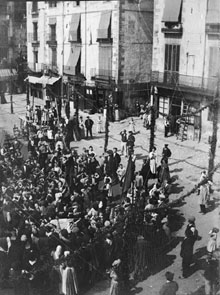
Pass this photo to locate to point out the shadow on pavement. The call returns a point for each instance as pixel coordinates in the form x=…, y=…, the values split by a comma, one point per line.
x=176, y=170
x=163, y=261
x=200, y=291
x=135, y=290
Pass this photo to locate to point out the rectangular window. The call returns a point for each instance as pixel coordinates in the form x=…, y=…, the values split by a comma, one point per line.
x=78, y=66
x=35, y=53
x=214, y=60
x=34, y=7
x=171, y=63
x=52, y=4
x=35, y=31
x=105, y=60
x=163, y=106
x=53, y=56
x=53, y=32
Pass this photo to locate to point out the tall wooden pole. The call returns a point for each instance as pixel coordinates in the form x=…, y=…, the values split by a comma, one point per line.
x=213, y=141
x=106, y=126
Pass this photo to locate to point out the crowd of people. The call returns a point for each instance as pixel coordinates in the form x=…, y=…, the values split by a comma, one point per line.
x=61, y=226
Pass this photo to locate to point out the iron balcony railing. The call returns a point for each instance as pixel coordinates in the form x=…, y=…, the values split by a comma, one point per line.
x=174, y=79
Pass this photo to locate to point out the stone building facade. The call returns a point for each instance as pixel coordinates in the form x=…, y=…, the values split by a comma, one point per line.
x=185, y=65
x=105, y=47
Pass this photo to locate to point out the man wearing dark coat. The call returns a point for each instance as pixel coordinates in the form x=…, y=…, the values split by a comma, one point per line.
x=116, y=159
x=88, y=124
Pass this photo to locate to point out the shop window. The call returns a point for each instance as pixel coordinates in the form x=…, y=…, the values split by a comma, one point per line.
x=163, y=106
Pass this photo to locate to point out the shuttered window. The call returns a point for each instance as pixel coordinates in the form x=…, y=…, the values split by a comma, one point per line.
x=105, y=60
x=171, y=63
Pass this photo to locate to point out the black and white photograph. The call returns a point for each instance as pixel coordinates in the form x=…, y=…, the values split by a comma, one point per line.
x=110, y=147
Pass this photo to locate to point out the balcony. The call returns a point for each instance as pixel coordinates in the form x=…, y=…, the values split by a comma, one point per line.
x=171, y=79
x=172, y=28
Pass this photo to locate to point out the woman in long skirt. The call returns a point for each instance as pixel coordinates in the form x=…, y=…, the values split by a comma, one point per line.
x=153, y=161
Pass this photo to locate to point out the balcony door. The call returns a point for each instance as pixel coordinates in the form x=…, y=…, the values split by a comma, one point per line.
x=214, y=71
x=171, y=64
x=105, y=60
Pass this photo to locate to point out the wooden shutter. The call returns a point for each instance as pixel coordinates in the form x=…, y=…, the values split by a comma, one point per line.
x=105, y=60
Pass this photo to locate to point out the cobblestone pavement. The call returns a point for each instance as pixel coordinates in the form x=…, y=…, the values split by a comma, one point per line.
x=187, y=160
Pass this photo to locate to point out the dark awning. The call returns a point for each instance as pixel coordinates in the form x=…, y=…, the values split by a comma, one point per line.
x=172, y=11
x=74, y=27
x=69, y=68
x=213, y=14
x=7, y=74
x=104, y=23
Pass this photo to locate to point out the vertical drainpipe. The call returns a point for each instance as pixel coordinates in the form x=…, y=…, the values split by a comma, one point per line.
x=62, y=52
x=119, y=40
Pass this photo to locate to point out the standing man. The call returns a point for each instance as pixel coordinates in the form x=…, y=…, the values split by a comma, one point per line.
x=116, y=161
x=166, y=152
x=170, y=287
x=124, y=140
x=166, y=126
x=88, y=124
x=130, y=143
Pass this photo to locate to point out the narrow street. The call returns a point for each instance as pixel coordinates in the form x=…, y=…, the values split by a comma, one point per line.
x=187, y=161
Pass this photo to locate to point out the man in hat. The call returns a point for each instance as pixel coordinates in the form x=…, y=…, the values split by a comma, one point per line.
x=170, y=287
x=166, y=152
x=88, y=124
x=130, y=143
x=166, y=126
x=124, y=140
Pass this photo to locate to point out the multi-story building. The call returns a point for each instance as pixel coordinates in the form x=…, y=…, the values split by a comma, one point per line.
x=106, y=46
x=13, y=43
x=186, y=55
